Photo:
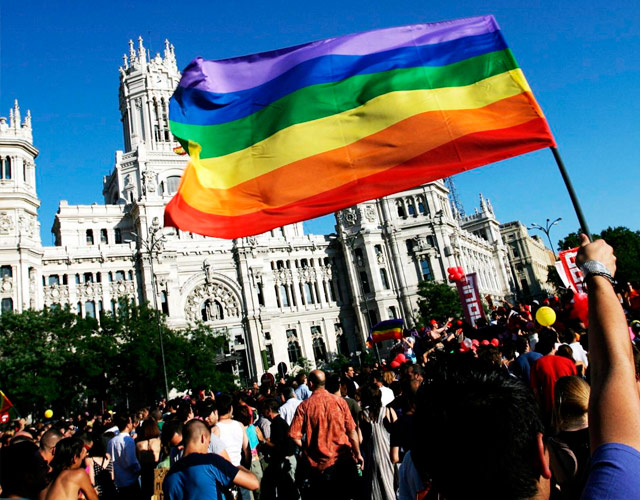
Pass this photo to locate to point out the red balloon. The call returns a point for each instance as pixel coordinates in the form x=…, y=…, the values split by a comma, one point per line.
x=581, y=307
x=400, y=358
x=394, y=364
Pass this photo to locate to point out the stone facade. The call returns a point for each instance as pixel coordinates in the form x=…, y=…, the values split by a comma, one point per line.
x=278, y=296
x=530, y=260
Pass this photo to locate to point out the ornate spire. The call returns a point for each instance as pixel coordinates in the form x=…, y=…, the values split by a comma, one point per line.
x=27, y=119
x=125, y=61
x=16, y=114
x=142, y=53
x=132, y=52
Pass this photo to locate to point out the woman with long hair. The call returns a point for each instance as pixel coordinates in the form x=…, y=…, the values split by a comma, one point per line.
x=374, y=421
x=148, y=447
x=67, y=475
x=100, y=467
x=569, y=448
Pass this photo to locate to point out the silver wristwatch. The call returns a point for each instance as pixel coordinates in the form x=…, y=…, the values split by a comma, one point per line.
x=595, y=268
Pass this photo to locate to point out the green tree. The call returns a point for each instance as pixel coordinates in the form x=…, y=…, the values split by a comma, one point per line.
x=571, y=240
x=56, y=359
x=439, y=301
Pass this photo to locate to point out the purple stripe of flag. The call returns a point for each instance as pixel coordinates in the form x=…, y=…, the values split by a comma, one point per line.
x=241, y=73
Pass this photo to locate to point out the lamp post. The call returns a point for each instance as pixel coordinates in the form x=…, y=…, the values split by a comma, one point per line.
x=546, y=229
x=153, y=246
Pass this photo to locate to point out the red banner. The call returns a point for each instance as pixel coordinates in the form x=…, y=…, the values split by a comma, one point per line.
x=572, y=274
x=470, y=299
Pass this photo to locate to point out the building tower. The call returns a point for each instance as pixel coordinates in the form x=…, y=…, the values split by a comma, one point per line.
x=19, y=203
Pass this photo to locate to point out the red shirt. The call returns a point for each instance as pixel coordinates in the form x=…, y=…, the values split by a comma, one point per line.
x=326, y=421
x=545, y=372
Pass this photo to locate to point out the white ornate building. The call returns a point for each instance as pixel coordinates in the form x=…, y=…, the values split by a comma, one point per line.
x=279, y=296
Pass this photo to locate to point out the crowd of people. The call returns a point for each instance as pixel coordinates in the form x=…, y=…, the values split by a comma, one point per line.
x=505, y=409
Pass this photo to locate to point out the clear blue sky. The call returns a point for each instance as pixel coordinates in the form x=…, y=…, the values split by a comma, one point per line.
x=60, y=59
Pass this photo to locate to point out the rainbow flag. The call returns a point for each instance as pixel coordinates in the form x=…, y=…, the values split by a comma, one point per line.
x=283, y=136
x=390, y=329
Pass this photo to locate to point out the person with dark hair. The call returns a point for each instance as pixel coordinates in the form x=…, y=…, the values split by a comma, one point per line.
x=291, y=403
x=23, y=471
x=375, y=420
x=505, y=460
x=126, y=468
x=171, y=439
x=208, y=412
x=232, y=432
x=331, y=447
x=386, y=393
x=48, y=443
x=67, y=475
x=201, y=475
x=302, y=391
x=279, y=476
x=148, y=447
x=100, y=467
x=521, y=366
x=348, y=374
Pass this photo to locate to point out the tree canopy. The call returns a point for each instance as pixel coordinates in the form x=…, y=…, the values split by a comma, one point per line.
x=439, y=301
x=55, y=359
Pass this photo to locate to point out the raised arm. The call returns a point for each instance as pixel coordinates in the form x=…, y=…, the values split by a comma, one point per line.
x=614, y=406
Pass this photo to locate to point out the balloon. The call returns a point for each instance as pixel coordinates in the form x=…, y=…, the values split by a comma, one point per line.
x=48, y=414
x=545, y=316
x=394, y=364
x=495, y=342
x=400, y=358
x=581, y=307
x=484, y=342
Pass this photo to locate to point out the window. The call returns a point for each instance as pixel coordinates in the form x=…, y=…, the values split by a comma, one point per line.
x=7, y=305
x=425, y=268
x=284, y=296
x=118, y=235
x=378, y=249
x=78, y=279
x=104, y=238
x=421, y=207
x=525, y=286
x=400, y=208
x=260, y=294
x=319, y=348
x=6, y=271
x=409, y=244
x=90, y=309
x=89, y=236
x=364, y=279
x=6, y=171
x=293, y=347
x=119, y=275
x=98, y=277
x=164, y=302
x=269, y=355
x=79, y=308
x=373, y=318
x=308, y=294
x=88, y=277
x=173, y=183
x=54, y=279
x=412, y=209
x=514, y=250
x=391, y=312
x=384, y=279
x=211, y=310
x=303, y=263
x=359, y=257
x=130, y=275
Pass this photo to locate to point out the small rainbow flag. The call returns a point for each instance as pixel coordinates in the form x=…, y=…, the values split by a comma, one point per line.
x=390, y=329
x=283, y=136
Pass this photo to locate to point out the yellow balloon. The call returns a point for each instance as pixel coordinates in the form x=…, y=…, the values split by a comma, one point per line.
x=48, y=414
x=546, y=316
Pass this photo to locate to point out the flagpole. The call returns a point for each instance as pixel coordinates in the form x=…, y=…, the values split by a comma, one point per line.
x=572, y=194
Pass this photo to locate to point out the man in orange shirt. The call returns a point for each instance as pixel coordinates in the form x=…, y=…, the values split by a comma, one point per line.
x=331, y=448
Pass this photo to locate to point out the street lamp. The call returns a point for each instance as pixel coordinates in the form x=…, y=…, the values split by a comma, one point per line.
x=153, y=245
x=546, y=230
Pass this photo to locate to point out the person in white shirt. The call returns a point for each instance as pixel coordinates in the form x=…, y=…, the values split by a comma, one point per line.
x=386, y=394
x=288, y=409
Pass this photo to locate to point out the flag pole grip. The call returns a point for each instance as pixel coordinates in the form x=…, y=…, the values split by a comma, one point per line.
x=572, y=194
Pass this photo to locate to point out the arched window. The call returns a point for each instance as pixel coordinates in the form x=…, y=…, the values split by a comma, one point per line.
x=319, y=349
x=118, y=235
x=6, y=271
x=400, y=207
x=293, y=347
x=411, y=208
x=89, y=236
x=54, y=279
x=425, y=267
x=173, y=183
x=421, y=206
x=359, y=257
x=104, y=237
x=392, y=312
